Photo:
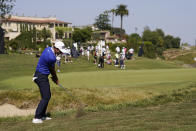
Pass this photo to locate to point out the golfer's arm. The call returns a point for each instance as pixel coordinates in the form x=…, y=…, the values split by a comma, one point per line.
x=53, y=72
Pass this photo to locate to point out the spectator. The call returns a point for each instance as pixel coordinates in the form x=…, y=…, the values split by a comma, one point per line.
x=123, y=52
x=101, y=61
x=130, y=53
x=81, y=50
x=91, y=49
x=118, y=49
x=58, y=62
x=95, y=57
x=141, y=51
x=88, y=53
x=122, y=64
x=116, y=60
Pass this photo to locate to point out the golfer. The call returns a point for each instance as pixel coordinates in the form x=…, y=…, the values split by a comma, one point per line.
x=46, y=66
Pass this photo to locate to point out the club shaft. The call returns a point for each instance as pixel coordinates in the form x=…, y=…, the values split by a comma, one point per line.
x=68, y=92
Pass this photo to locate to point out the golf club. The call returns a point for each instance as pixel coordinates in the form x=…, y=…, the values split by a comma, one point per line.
x=68, y=92
x=80, y=106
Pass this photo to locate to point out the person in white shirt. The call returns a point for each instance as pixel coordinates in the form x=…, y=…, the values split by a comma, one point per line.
x=107, y=48
x=88, y=52
x=58, y=62
x=117, y=59
x=91, y=49
x=65, y=55
x=118, y=49
x=69, y=54
x=131, y=51
x=96, y=48
x=103, y=51
x=122, y=63
x=75, y=45
x=123, y=52
x=82, y=50
x=108, y=55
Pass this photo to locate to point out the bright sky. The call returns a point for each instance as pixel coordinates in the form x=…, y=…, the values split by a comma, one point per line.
x=175, y=17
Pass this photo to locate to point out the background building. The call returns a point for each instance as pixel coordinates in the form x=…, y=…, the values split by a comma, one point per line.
x=12, y=26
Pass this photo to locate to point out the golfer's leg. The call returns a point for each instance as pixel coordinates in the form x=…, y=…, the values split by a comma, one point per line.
x=46, y=94
x=46, y=97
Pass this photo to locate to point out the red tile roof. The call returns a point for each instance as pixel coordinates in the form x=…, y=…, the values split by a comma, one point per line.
x=36, y=21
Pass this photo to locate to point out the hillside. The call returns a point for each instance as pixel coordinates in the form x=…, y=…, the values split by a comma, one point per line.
x=181, y=56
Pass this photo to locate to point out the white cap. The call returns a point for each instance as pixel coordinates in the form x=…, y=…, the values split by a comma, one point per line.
x=60, y=45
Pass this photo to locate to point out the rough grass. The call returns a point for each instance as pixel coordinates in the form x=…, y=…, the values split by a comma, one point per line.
x=187, y=58
x=165, y=112
x=94, y=98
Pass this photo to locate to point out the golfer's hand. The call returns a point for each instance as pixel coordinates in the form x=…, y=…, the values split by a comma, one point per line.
x=55, y=80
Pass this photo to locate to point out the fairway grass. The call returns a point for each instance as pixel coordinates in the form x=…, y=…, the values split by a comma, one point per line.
x=148, y=95
x=143, y=78
x=98, y=88
x=111, y=79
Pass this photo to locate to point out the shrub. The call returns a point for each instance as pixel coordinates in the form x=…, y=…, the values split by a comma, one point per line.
x=68, y=42
x=149, y=49
x=113, y=46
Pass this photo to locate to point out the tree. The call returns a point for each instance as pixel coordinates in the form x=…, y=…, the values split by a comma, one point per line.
x=167, y=41
x=28, y=38
x=102, y=22
x=39, y=34
x=82, y=35
x=160, y=41
x=133, y=41
x=24, y=40
x=60, y=34
x=176, y=42
x=34, y=36
x=46, y=34
x=171, y=42
x=118, y=31
x=122, y=11
x=156, y=38
x=160, y=32
x=113, y=11
x=149, y=49
x=5, y=8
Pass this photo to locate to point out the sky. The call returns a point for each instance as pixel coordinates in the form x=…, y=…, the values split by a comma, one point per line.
x=174, y=17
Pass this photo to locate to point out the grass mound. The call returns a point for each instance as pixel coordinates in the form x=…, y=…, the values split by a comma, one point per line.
x=96, y=99
x=187, y=58
x=176, y=96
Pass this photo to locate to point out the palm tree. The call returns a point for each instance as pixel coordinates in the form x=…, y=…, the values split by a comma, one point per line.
x=113, y=11
x=122, y=11
x=106, y=12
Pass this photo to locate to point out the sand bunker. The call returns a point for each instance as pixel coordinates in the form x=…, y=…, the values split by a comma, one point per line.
x=8, y=110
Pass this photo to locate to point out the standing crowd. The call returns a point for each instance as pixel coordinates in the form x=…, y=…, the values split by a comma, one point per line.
x=100, y=53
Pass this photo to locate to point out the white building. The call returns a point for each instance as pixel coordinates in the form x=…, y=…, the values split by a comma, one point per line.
x=12, y=26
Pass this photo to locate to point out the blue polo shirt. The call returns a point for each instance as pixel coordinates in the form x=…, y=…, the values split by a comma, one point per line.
x=47, y=59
